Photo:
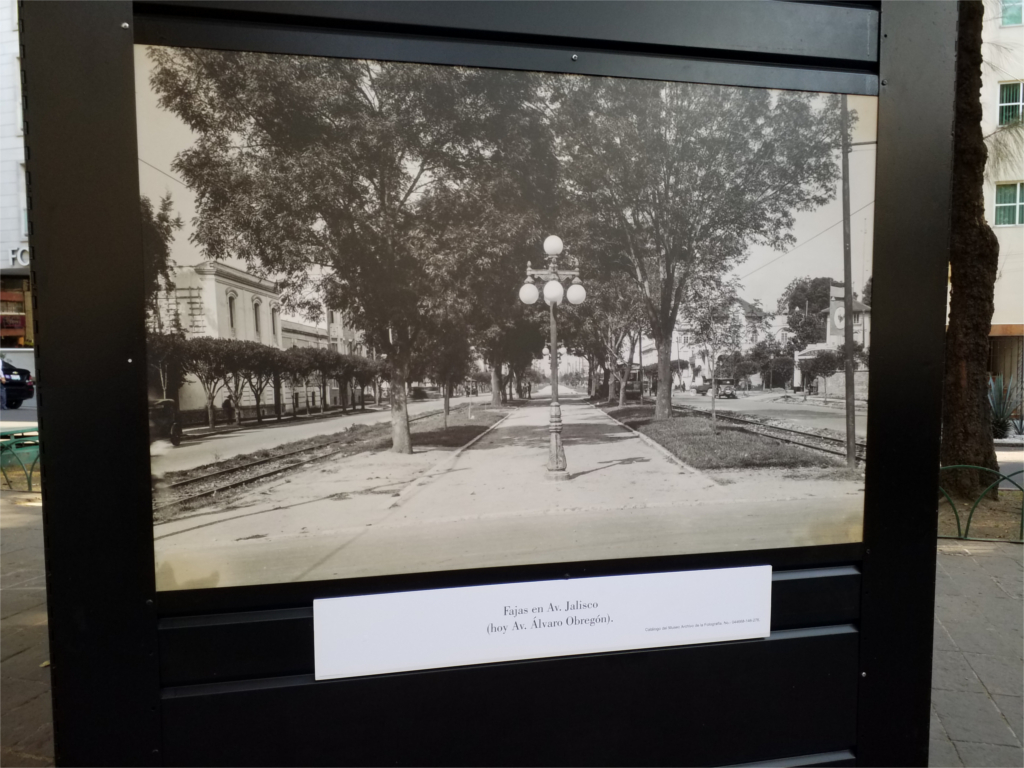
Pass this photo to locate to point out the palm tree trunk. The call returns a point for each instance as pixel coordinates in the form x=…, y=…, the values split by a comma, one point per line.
x=973, y=262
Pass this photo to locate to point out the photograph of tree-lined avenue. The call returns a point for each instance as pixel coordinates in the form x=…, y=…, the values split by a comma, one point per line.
x=407, y=318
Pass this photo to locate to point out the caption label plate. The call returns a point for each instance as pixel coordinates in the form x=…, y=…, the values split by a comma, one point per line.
x=403, y=631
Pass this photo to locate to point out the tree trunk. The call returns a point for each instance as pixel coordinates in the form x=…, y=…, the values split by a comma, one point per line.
x=277, y=396
x=447, y=406
x=211, y=417
x=623, y=384
x=496, y=384
x=323, y=395
x=974, y=262
x=362, y=397
x=663, y=398
x=401, y=437
x=259, y=412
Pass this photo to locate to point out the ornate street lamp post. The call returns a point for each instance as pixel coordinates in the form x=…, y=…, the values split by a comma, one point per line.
x=554, y=292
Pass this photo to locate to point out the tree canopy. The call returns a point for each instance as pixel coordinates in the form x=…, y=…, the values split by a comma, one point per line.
x=676, y=181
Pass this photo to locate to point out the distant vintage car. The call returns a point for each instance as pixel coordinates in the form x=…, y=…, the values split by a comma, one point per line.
x=19, y=387
x=727, y=388
x=723, y=388
x=164, y=422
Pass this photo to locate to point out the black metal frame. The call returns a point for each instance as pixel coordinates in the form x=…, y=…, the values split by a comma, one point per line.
x=199, y=676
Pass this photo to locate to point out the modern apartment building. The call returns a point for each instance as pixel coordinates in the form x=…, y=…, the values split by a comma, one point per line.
x=16, y=310
x=1002, y=95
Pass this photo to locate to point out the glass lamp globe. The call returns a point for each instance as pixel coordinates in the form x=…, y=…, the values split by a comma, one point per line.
x=528, y=293
x=553, y=292
x=576, y=294
x=553, y=245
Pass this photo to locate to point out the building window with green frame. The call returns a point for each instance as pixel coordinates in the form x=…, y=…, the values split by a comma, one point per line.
x=1011, y=15
x=1009, y=204
x=1009, y=102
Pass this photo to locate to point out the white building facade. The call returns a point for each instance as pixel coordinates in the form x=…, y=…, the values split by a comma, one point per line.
x=1002, y=94
x=16, y=311
x=216, y=300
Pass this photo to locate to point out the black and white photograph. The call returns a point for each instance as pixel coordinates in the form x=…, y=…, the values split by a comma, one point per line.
x=408, y=318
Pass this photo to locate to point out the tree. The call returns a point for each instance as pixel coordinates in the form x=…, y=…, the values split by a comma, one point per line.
x=806, y=328
x=716, y=325
x=808, y=294
x=973, y=266
x=342, y=152
x=806, y=301
x=449, y=359
x=325, y=365
x=243, y=361
x=165, y=355
x=204, y=359
x=773, y=362
x=678, y=180
x=823, y=364
x=364, y=371
x=867, y=292
x=264, y=363
x=158, y=228
x=298, y=368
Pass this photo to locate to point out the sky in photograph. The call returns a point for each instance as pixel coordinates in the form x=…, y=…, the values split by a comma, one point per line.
x=763, y=275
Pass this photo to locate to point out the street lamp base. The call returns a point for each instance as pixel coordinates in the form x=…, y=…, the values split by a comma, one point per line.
x=557, y=475
x=556, y=454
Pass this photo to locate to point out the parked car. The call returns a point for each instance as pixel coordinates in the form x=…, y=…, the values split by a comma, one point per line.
x=20, y=386
x=164, y=422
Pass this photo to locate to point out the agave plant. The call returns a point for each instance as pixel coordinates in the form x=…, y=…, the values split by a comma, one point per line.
x=1004, y=401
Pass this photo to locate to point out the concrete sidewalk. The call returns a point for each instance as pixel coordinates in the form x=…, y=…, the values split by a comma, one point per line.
x=977, y=671
x=26, y=724
x=977, y=680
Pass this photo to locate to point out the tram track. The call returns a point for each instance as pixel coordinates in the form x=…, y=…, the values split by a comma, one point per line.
x=810, y=440
x=228, y=478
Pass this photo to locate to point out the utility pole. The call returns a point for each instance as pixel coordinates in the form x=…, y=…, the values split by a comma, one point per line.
x=851, y=421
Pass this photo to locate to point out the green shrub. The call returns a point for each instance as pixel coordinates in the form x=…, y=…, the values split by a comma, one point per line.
x=1003, y=402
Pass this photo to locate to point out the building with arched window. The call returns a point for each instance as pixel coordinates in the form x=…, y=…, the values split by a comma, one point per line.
x=220, y=301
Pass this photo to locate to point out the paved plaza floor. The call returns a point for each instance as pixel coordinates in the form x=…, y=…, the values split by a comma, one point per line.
x=977, y=680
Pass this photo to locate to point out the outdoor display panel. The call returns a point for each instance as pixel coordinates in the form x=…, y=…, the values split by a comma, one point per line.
x=481, y=165
x=322, y=185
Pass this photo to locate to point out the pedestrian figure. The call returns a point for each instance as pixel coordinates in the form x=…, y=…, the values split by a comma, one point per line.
x=3, y=389
x=229, y=409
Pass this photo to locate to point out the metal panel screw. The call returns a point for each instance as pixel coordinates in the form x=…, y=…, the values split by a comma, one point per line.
x=124, y=25
x=885, y=82
x=863, y=674
x=575, y=57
